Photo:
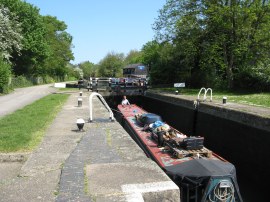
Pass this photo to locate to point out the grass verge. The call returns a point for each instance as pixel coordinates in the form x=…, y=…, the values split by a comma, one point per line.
x=241, y=97
x=68, y=89
x=23, y=130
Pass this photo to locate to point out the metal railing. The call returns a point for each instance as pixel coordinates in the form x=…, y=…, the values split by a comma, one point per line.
x=205, y=93
x=103, y=102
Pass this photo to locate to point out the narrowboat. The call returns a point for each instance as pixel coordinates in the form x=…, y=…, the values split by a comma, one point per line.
x=201, y=174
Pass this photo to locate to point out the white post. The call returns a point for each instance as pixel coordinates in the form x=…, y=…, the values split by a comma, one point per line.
x=79, y=102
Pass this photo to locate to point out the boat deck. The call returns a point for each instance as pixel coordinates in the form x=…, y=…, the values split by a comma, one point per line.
x=163, y=156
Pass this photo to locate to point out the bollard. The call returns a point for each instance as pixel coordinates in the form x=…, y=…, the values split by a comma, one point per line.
x=176, y=92
x=80, y=123
x=224, y=100
x=81, y=93
x=79, y=102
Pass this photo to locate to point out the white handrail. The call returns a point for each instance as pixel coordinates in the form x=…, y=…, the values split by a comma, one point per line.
x=103, y=101
x=205, y=93
x=210, y=94
x=200, y=93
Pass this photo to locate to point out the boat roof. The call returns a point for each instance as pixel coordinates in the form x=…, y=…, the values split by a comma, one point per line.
x=203, y=168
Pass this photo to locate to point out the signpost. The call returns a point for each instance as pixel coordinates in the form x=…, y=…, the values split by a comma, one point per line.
x=178, y=86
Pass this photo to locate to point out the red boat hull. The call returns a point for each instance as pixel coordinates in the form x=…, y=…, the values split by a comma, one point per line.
x=196, y=175
x=162, y=157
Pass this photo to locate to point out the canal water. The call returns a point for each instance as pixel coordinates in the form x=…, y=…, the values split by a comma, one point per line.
x=240, y=144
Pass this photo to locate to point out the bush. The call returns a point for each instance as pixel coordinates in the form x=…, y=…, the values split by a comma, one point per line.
x=21, y=81
x=48, y=79
x=5, y=74
x=254, y=78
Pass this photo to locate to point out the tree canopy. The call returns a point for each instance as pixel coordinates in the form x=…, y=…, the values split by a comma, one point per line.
x=219, y=43
x=34, y=45
x=210, y=43
x=60, y=44
x=10, y=35
x=89, y=69
x=111, y=65
x=133, y=57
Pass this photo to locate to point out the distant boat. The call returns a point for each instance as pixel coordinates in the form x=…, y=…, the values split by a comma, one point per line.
x=200, y=174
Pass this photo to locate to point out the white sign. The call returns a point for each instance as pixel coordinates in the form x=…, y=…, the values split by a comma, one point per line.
x=59, y=85
x=179, y=85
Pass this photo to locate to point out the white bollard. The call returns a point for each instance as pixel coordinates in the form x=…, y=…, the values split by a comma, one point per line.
x=79, y=102
x=80, y=123
x=224, y=100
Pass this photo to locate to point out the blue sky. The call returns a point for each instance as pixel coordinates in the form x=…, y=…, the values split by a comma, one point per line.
x=99, y=27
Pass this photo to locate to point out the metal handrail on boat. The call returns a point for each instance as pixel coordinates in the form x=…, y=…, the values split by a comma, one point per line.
x=205, y=93
x=103, y=102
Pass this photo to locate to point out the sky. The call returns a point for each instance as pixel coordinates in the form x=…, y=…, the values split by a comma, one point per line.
x=99, y=27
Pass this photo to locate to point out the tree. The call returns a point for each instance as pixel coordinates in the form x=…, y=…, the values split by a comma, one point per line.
x=89, y=69
x=34, y=47
x=5, y=74
x=169, y=15
x=239, y=36
x=10, y=40
x=111, y=65
x=10, y=37
x=161, y=59
x=221, y=40
x=59, y=46
x=133, y=57
x=179, y=24
x=72, y=72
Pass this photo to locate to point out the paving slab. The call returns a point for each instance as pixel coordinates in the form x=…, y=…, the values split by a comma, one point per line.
x=134, y=181
x=38, y=177
x=107, y=163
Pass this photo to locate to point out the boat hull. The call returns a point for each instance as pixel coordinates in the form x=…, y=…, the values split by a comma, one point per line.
x=193, y=175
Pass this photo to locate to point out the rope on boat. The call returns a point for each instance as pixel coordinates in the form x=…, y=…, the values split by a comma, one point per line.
x=116, y=110
x=222, y=194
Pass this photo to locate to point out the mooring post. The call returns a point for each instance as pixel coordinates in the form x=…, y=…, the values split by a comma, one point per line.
x=224, y=100
x=79, y=102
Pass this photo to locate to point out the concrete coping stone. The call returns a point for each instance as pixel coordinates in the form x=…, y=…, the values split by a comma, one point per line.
x=134, y=180
x=257, y=117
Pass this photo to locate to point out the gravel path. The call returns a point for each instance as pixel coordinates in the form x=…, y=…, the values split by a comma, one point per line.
x=22, y=97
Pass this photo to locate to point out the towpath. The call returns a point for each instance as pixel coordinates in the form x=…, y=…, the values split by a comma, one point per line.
x=22, y=97
x=102, y=163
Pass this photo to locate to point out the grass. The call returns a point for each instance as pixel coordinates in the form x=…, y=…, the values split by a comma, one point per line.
x=23, y=130
x=68, y=89
x=108, y=137
x=242, y=97
x=85, y=180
